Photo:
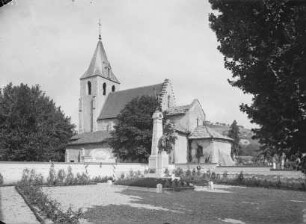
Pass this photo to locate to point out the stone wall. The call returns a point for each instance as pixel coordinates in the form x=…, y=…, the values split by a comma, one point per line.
x=12, y=171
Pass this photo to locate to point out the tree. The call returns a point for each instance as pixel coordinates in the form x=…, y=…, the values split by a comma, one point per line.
x=264, y=46
x=32, y=128
x=132, y=138
x=167, y=141
x=234, y=134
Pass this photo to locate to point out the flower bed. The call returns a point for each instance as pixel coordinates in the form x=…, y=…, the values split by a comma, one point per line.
x=30, y=189
x=167, y=183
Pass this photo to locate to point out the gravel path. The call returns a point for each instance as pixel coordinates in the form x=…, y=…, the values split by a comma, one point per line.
x=14, y=209
x=95, y=195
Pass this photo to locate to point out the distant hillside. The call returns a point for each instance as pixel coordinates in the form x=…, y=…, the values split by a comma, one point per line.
x=249, y=147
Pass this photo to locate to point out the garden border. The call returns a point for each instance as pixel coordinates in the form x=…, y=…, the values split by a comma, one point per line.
x=35, y=212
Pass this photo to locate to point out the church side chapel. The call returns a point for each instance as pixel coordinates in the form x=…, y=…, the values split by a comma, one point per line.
x=101, y=101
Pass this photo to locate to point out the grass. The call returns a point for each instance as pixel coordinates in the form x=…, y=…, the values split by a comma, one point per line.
x=249, y=205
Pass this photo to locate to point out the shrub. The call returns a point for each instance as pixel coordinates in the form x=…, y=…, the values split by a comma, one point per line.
x=225, y=174
x=167, y=173
x=131, y=173
x=100, y=179
x=30, y=177
x=193, y=172
x=70, y=177
x=60, y=178
x=138, y=173
x=168, y=183
x=178, y=172
x=279, y=182
x=1, y=180
x=51, y=180
x=152, y=170
x=240, y=177
x=188, y=173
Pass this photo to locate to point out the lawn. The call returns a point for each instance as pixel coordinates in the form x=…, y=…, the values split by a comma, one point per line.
x=227, y=204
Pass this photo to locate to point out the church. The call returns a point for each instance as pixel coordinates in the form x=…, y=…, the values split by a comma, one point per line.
x=101, y=101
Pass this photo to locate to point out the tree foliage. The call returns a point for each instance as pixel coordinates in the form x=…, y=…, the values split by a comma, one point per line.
x=167, y=141
x=32, y=128
x=132, y=138
x=264, y=46
x=234, y=134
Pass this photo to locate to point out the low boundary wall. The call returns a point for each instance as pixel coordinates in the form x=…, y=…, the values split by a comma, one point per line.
x=12, y=171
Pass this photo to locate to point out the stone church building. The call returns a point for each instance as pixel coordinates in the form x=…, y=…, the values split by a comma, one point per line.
x=101, y=100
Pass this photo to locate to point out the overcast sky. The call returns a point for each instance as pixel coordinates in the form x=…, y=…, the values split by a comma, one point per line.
x=51, y=42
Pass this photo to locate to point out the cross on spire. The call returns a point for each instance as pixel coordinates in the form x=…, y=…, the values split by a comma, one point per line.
x=99, y=29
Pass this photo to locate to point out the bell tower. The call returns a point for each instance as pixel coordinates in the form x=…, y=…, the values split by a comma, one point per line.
x=95, y=85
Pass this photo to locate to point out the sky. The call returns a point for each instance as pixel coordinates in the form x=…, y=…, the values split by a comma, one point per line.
x=51, y=42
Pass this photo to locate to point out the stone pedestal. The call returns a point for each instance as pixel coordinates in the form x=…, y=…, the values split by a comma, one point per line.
x=156, y=135
x=158, y=161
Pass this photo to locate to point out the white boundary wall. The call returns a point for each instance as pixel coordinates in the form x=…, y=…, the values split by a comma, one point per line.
x=12, y=171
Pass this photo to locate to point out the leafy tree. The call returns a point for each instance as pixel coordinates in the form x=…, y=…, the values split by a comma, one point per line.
x=32, y=128
x=132, y=138
x=167, y=141
x=264, y=46
x=234, y=134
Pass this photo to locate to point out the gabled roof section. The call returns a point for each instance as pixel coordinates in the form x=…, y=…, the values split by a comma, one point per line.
x=177, y=110
x=178, y=127
x=89, y=138
x=99, y=65
x=116, y=101
x=204, y=132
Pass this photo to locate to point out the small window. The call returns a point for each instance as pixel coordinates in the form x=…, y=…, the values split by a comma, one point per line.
x=89, y=87
x=113, y=88
x=169, y=98
x=104, y=89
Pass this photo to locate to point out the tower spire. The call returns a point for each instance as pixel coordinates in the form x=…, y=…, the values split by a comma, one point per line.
x=99, y=29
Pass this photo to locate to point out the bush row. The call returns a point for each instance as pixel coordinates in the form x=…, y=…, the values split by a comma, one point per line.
x=200, y=178
x=151, y=182
x=62, y=178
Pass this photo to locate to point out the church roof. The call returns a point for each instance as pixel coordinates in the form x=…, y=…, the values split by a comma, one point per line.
x=99, y=65
x=178, y=110
x=204, y=132
x=89, y=138
x=116, y=101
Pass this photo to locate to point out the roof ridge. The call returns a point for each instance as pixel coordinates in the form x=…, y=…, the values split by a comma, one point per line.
x=141, y=87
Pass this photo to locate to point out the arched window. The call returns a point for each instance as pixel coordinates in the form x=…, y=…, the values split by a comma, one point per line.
x=104, y=89
x=89, y=87
x=113, y=88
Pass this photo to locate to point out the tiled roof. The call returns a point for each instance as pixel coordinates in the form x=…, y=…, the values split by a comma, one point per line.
x=178, y=110
x=202, y=132
x=89, y=137
x=116, y=101
x=99, y=65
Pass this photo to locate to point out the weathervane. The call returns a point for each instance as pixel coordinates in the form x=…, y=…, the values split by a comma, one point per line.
x=99, y=29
